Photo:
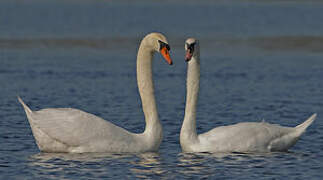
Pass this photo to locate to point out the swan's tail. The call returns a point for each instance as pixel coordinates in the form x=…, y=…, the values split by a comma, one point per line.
x=27, y=109
x=302, y=127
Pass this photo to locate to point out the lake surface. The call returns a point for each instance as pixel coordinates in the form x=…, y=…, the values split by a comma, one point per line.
x=259, y=60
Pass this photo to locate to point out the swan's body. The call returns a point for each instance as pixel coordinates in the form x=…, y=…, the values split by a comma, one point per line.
x=241, y=137
x=72, y=130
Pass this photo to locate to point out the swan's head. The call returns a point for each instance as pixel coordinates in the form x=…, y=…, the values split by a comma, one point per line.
x=192, y=48
x=158, y=43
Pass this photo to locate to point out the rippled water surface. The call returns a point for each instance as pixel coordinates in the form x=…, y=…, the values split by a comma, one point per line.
x=259, y=60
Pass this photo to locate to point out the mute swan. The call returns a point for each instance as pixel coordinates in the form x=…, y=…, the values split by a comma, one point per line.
x=241, y=137
x=73, y=130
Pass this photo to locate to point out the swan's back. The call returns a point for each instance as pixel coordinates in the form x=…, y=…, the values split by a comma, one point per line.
x=242, y=137
x=73, y=126
x=252, y=137
x=73, y=130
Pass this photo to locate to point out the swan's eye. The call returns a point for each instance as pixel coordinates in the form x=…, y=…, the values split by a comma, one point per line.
x=167, y=46
x=162, y=45
x=191, y=47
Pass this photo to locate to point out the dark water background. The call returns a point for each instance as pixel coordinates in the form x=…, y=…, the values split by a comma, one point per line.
x=260, y=60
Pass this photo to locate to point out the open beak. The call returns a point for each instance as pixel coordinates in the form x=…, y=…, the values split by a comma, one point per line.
x=165, y=54
x=188, y=55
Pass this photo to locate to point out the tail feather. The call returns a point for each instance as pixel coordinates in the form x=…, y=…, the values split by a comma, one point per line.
x=27, y=109
x=302, y=127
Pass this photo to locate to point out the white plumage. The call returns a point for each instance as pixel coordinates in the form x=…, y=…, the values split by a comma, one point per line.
x=73, y=130
x=241, y=137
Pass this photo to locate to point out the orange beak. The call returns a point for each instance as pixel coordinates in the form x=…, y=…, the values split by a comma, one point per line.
x=165, y=54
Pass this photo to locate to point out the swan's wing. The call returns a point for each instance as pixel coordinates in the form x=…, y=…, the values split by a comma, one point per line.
x=245, y=136
x=74, y=127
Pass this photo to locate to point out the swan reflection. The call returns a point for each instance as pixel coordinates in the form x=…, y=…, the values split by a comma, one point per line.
x=192, y=163
x=63, y=165
x=141, y=165
x=201, y=164
x=89, y=157
x=147, y=165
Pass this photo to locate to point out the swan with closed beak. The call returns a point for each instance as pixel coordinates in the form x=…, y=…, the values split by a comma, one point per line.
x=241, y=137
x=73, y=130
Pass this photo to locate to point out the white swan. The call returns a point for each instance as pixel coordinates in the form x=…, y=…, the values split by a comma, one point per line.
x=73, y=130
x=241, y=137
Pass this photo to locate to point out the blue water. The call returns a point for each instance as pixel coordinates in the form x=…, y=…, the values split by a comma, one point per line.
x=260, y=60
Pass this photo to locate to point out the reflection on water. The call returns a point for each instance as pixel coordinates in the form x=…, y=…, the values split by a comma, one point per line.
x=148, y=165
x=85, y=157
x=138, y=165
x=237, y=164
x=153, y=166
x=68, y=164
x=192, y=164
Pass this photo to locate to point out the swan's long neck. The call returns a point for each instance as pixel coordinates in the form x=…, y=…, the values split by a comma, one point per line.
x=188, y=131
x=153, y=128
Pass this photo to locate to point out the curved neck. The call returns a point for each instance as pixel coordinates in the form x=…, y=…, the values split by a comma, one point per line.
x=188, y=131
x=146, y=89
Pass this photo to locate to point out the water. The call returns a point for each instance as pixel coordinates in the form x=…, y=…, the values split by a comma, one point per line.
x=260, y=60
